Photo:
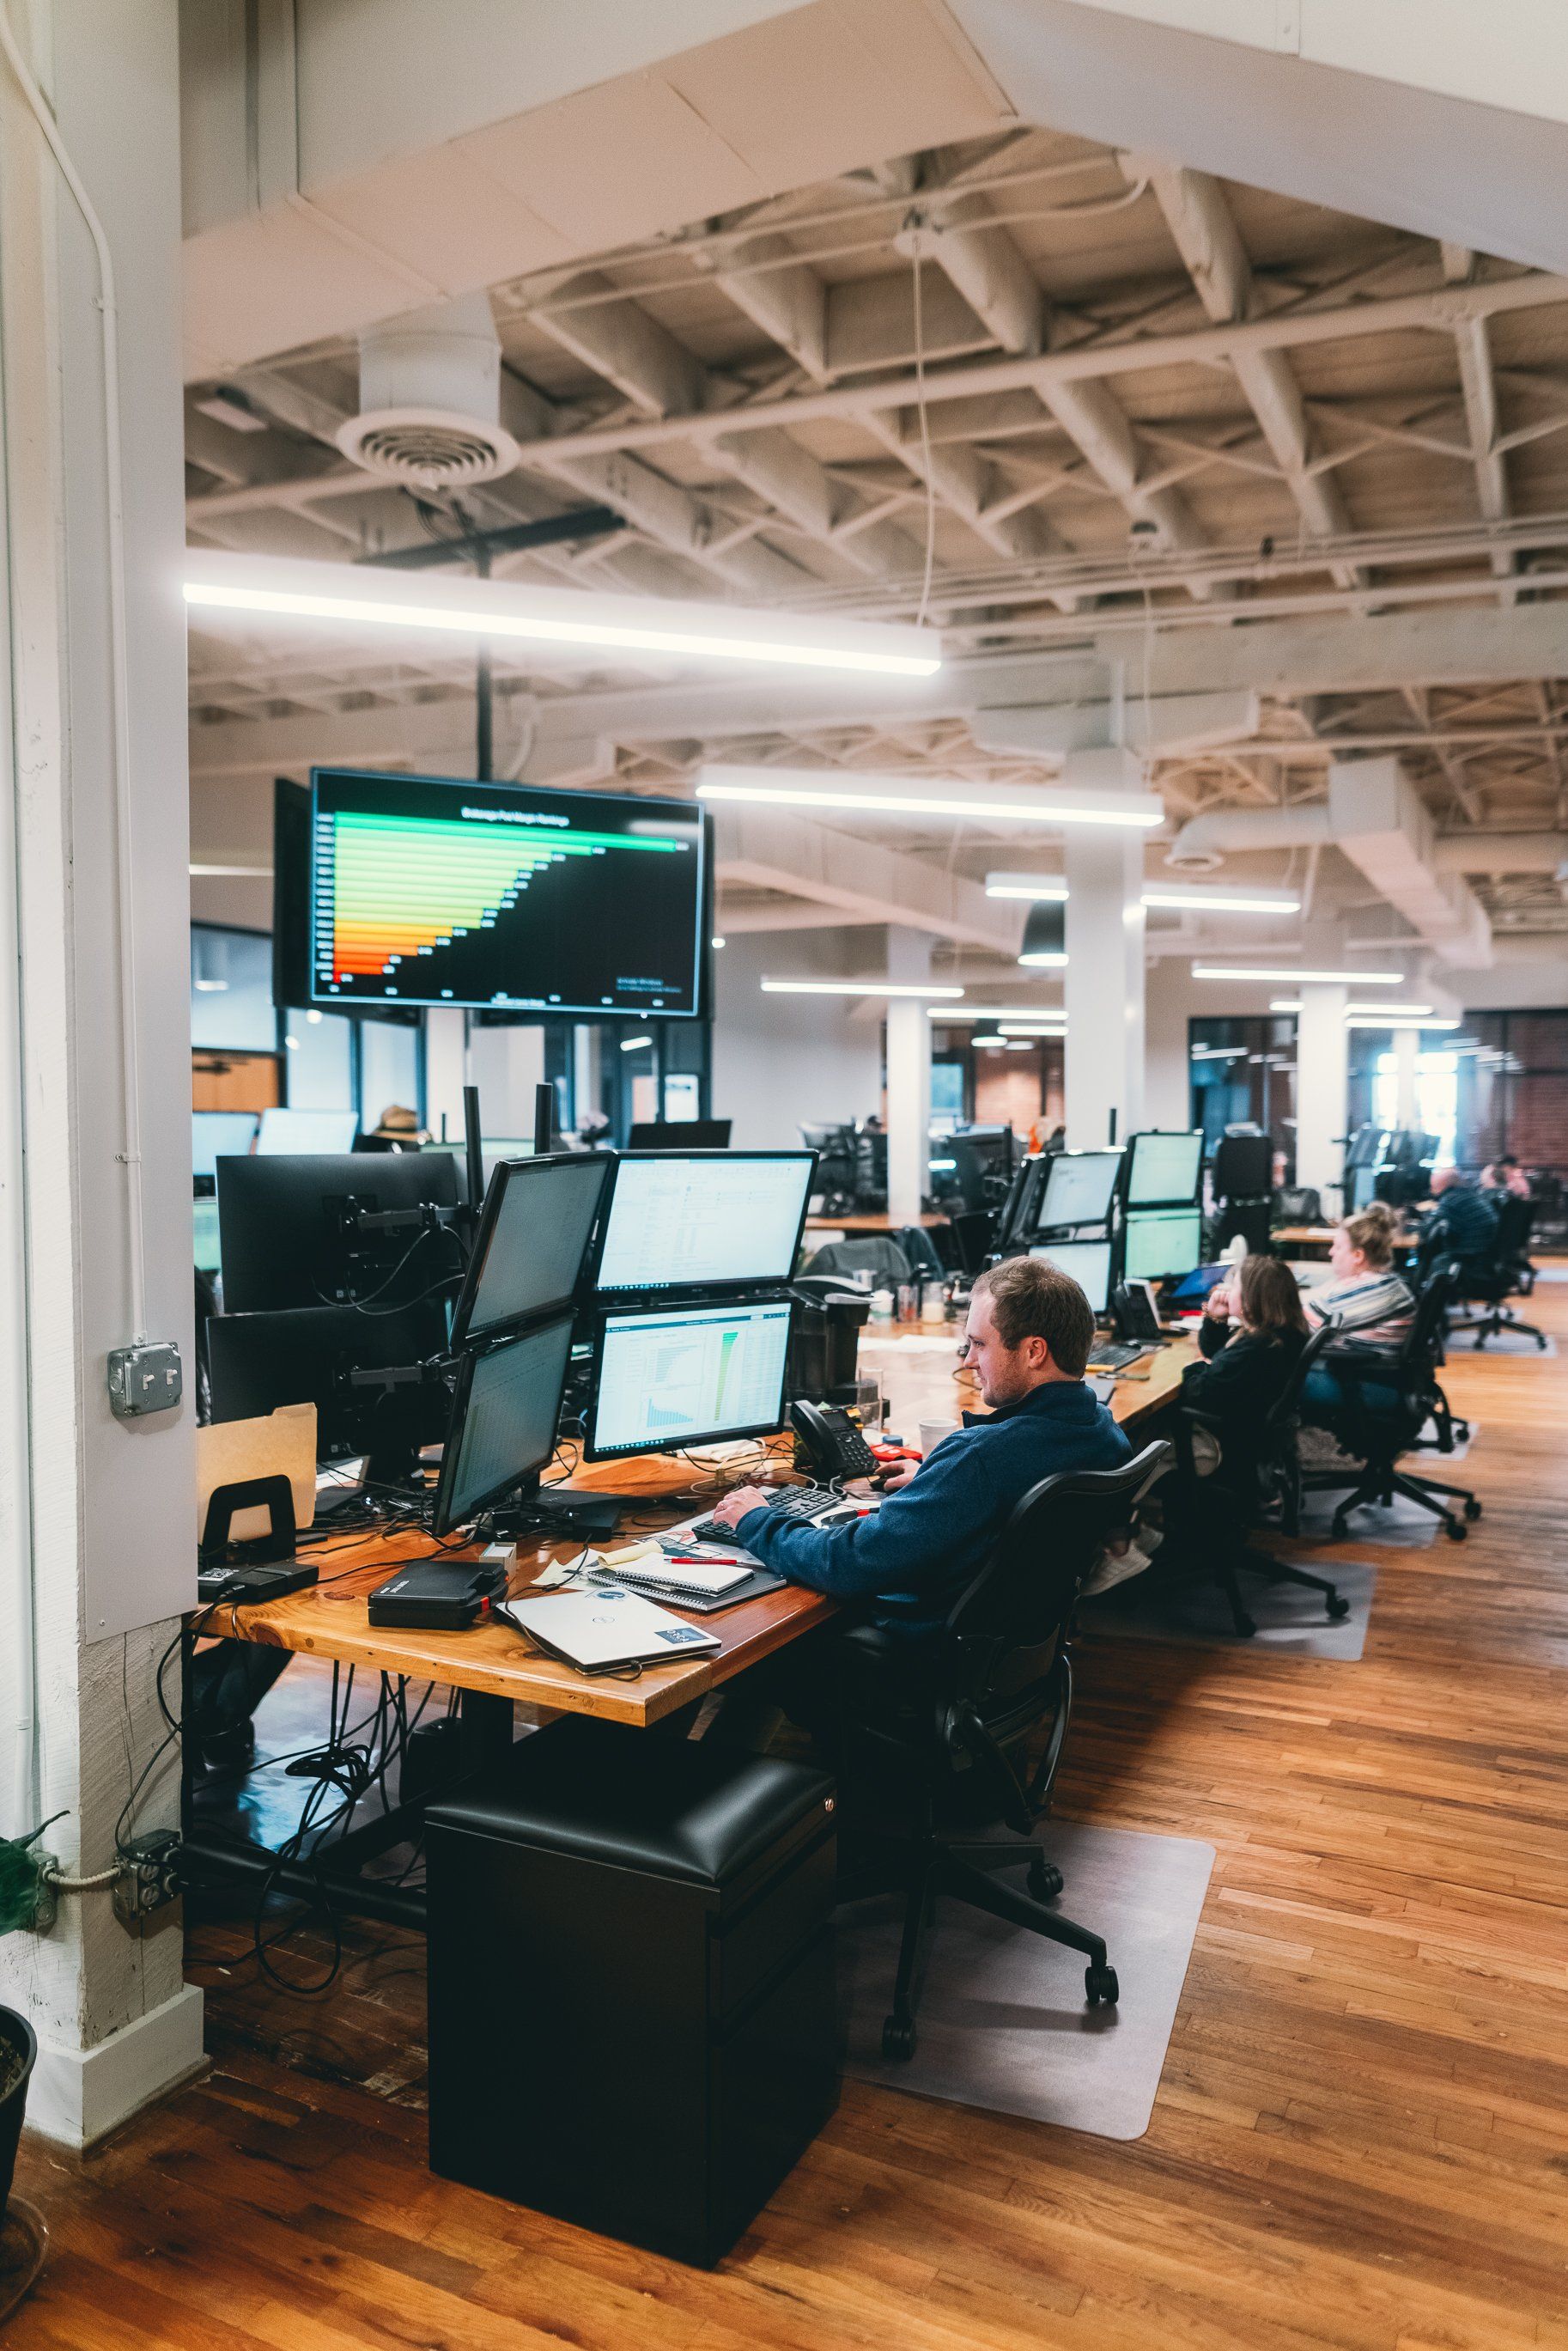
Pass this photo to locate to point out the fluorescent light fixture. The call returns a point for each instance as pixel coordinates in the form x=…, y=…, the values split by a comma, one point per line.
x=1017, y=1044
x=1381, y=1013
x=1284, y=1004
x=857, y=987
x=922, y=796
x=989, y=1044
x=718, y=940
x=349, y=596
x=1221, y=902
x=1038, y=888
x=1046, y=959
x=1031, y=1029
x=634, y=1044
x=1397, y=1020
x=1001, y=1013
x=1278, y=972
x=1051, y=889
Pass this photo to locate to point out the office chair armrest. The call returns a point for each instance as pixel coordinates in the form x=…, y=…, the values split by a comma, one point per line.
x=1366, y=1363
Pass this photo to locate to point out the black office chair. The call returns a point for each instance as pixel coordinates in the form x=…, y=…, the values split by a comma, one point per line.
x=937, y=1734
x=1376, y=1435
x=878, y=1254
x=1507, y=1273
x=1297, y=1203
x=1222, y=1510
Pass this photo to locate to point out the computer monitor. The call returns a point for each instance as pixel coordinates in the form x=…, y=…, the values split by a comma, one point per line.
x=204, y=1218
x=505, y=1417
x=534, y=1235
x=219, y=1135
x=1162, y=1242
x=326, y=1230
x=1017, y=1221
x=703, y=1220
x=680, y=1134
x=257, y=1362
x=297, y=1130
x=1088, y=1262
x=690, y=1375
x=1164, y=1169
x=1079, y=1188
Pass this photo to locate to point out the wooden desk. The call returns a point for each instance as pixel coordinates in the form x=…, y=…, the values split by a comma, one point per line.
x=1312, y=1241
x=331, y=1620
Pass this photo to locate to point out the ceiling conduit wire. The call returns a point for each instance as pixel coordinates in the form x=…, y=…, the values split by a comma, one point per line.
x=131, y=1154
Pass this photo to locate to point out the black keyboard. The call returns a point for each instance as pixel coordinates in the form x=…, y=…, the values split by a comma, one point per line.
x=788, y=1502
x=1120, y=1352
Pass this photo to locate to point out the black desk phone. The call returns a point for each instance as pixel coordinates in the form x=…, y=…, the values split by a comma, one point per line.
x=1134, y=1312
x=832, y=1441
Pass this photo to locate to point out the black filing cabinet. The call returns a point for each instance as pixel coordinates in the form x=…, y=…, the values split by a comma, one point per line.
x=631, y=1988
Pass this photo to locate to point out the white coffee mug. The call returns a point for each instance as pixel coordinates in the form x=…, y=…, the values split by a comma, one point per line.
x=932, y=1433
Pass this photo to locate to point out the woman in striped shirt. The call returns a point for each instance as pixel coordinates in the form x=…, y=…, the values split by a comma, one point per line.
x=1369, y=1301
x=1364, y=1294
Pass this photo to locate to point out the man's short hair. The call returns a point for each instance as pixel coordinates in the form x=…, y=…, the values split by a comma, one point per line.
x=1032, y=1299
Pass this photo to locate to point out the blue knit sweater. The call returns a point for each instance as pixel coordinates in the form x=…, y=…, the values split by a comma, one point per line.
x=912, y=1557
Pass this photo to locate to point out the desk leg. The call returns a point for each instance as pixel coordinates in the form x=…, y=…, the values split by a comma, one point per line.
x=486, y=1730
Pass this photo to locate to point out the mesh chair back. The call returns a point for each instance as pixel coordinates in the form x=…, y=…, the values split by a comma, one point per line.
x=1006, y=1630
x=877, y=1254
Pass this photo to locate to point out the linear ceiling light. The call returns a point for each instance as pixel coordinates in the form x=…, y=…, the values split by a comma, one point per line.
x=915, y=796
x=856, y=987
x=1032, y=1028
x=1052, y=888
x=634, y=1044
x=346, y=596
x=1223, y=902
x=1401, y=1021
x=1381, y=1012
x=1001, y=1013
x=1278, y=972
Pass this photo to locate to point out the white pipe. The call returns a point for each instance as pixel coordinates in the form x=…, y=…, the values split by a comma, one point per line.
x=131, y=1155
x=1204, y=842
x=1500, y=852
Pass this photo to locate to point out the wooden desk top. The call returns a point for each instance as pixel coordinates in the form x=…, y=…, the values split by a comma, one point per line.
x=331, y=1619
x=1303, y=1237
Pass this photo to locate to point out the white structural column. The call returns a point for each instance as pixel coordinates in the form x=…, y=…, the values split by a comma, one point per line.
x=446, y=1069
x=1407, y=1060
x=909, y=1078
x=1105, y=975
x=1322, y=1064
x=97, y=1515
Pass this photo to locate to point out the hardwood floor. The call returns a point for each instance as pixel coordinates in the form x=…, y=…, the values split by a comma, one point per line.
x=1361, y=2137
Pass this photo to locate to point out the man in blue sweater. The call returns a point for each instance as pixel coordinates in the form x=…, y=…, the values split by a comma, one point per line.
x=1028, y=1337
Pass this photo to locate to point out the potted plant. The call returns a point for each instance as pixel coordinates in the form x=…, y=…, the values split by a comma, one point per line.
x=18, y=2049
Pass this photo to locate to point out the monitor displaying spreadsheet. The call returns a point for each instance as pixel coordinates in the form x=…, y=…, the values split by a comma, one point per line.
x=689, y=1376
x=1079, y=1188
x=1162, y=1242
x=1088, y=1262
x=679, y=1221
x=1164, y=1170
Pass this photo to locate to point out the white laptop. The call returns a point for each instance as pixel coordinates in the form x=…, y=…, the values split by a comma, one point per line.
x=606, y=1630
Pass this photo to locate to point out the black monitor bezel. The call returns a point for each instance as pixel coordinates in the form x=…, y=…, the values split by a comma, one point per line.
x=603, y=1316
x=441, y=1521
x=718, y=1292
x=1073, y=1224
x=501, y=1179
x=1164, y=1133
x=1160, y=1208
x=357, y=1172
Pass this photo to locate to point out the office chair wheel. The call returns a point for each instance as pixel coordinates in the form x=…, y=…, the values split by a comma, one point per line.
x=1044, y=1880
x=899, y=2039
x=1472, y=1508
x=1455, y=1530
x=1100, y=1984
x=1338, y=1608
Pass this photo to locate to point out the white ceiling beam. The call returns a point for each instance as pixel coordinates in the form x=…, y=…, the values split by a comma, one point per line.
x=1198, y=216
x=1441, y=309
x=968, y=483
x=778, y=292
x=1473, y=346
x=961, y=234
x=773, y=849
x=871, y=324
x=621, y=341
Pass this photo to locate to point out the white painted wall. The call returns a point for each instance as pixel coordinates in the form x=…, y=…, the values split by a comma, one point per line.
x=101, y=1512
x=778, y=1059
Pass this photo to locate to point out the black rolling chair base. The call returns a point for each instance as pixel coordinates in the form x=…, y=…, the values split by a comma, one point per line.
x=1273, y=1571
x=1495, y=1325
x=960, y=1871
x=1380, y=1489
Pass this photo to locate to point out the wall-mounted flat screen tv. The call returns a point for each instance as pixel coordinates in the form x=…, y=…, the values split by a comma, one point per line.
x=505, y=897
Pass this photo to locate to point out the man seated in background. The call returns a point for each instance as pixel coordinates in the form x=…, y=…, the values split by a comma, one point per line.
x=1462, y=1224
x=1505, y=1179
x=1028, y=1336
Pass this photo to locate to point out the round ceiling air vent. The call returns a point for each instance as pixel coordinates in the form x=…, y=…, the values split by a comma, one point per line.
x=428, y=449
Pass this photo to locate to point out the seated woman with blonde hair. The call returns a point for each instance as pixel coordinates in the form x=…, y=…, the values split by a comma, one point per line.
x=1364, y=1294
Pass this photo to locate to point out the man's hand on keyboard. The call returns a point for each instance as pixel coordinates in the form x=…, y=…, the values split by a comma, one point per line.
x=734, y=1506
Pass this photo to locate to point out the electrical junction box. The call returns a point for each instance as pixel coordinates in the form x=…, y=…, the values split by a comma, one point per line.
x=147, y=1378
